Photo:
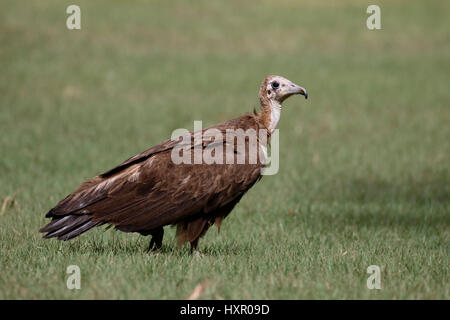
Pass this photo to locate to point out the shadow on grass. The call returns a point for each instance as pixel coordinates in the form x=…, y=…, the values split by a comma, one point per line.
x=438, y=222
x=373, y=203
x=425, y=191
x=376, y=203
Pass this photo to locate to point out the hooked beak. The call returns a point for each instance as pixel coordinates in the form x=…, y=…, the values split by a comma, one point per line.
x=296, y=89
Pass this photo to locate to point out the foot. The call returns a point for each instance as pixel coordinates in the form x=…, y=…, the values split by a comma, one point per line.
x=154, y=246
x=197, y=254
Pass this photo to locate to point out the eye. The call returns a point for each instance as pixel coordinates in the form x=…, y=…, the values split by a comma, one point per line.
x=275, y=85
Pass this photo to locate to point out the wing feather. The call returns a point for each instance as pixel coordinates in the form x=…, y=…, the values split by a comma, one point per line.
x=148, y=190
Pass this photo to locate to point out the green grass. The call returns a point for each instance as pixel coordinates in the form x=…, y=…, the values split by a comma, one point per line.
x=364, y=175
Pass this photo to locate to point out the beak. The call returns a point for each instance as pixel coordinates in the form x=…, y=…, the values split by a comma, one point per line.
x=296, y=89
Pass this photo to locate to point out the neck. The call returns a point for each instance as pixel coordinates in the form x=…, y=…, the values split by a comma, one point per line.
x=270, y=114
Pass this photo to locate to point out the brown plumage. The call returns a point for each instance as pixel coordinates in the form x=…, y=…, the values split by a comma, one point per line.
x=149, y=191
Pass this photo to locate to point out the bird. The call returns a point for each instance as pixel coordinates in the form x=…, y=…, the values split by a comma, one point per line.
x=150, y=191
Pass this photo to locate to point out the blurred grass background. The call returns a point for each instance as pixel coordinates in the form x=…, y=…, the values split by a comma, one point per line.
x=364, y=175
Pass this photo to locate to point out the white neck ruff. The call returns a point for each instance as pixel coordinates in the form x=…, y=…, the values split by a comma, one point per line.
x=275, y=113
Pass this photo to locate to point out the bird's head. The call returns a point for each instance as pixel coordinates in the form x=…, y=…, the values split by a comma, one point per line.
x=276, y=89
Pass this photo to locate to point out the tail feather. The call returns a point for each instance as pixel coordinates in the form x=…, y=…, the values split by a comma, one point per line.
x=82, y=229
x=68, y=227
x=55, y=224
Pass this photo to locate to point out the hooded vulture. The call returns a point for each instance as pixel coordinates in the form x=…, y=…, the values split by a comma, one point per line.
x=150, y=190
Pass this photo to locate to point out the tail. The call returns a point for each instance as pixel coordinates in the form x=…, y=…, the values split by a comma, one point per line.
x=69, y=226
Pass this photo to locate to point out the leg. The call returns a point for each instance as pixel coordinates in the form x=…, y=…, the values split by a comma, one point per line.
x=194, y=250
x=157, y=238
x=194, y=245
x=192, y=231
